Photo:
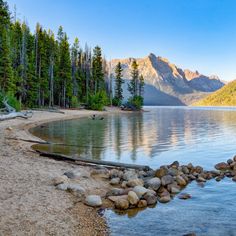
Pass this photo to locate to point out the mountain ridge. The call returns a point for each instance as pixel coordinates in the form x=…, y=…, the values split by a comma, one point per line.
x=166, y=78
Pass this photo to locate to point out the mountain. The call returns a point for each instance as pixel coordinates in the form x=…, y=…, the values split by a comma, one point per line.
x=226, y=96
x=166, y=84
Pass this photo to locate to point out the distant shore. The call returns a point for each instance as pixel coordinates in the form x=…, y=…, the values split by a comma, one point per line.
x=29, y=203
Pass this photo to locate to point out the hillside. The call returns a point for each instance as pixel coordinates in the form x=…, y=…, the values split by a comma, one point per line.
x=226, y=96
x=166, y=84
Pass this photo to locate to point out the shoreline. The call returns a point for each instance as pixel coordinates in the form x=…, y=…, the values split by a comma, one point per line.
x=29, y=202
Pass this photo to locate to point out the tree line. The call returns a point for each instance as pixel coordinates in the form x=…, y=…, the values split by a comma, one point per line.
x=42, y=69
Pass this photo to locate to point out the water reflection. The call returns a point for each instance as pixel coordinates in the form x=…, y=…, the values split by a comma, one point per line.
x=155, y=137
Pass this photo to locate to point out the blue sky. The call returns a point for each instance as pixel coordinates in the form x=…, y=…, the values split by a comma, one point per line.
x=194, y=34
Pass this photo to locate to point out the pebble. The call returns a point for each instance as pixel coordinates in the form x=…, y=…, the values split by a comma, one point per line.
x=93, y=200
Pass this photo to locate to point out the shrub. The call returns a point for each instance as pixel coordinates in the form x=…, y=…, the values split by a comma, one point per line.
x=98, y=101
x=136, y=101
x=74, y=102
x=116, y=102
x=12, y=101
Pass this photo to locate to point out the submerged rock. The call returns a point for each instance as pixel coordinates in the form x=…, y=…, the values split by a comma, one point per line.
x=93, y=201
x=184, y=196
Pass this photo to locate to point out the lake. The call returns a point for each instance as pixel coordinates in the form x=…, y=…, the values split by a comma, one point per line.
x=161, y=135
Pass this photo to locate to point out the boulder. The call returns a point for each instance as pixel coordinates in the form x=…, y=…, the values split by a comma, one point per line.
x=115, y=192
x=140, y=190
x=161, y=172
x=154, y=183
x=229, y=161
x=201, y=179
x=222, y=166
x=133, y=198
x=150, y=198
x=60, y=180
x=164, y=199
x=116, y=198
x=167, y=179
x=173, y=171
x=93, y=200
x=130, y=174
x=181, y=181
x=122, y=204
x=185, y=169
x=114, y=173
x=234, y=158
x=135, y=182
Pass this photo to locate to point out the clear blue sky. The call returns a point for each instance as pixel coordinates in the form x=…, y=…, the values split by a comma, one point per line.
x=194, y=34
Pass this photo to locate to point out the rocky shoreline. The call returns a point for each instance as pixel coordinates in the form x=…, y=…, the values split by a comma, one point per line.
x=139, y=189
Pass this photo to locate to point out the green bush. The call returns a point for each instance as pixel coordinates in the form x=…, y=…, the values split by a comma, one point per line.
x=98, y=101
x=136, y=101
x=74, y=102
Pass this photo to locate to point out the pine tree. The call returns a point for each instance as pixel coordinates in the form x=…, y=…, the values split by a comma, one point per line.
x=97, y=70
x=133, y=85
x=74, y=61
x=118, y=84
x=6, y=72
x=141, y=86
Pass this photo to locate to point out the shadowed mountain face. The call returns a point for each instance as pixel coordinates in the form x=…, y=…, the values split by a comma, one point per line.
x=166, y=84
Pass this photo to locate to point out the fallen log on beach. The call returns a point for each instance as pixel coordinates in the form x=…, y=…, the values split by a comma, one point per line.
x=61, y=157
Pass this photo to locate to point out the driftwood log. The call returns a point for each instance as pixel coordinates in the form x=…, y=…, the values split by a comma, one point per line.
x=61, y=157
x=11, y=113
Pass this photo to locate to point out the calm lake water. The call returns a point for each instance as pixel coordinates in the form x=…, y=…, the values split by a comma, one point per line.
x=203, y=136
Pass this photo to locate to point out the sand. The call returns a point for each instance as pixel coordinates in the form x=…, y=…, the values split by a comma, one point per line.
x=29, y=203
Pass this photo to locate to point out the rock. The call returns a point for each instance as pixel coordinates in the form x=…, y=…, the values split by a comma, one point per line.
x=190, y=166
x=192, y=177
x=218, y=178
x=167, y=179
x=78, y=189
x=215, y=173
x=60, y=180
x=184, y=196
x=164, y=199
x=142, y=203
x=185, y=169
x=222, y=166
x=234, y=178
x=93, y=200
x=181, y=181
x=190, y=234
x=199, y=169
x=115, y=192
x=116, y=198
x=133, y=198
x=174, y=189
x=115, y=181
x=229, y=161
x=130, y=174
x=124, y=184
x=135, y=182
x=72, y=175
x=62, y=186
x=150, y=198
x=142, y=173
x=140, y=191
x=114, y=173
x=9, y=128
x=122, y=204
x=234, y=158
x=201, y=179
x=175, y=164
x=173, y=171
x=163, y=192
x=161, y=172
x=154, y=183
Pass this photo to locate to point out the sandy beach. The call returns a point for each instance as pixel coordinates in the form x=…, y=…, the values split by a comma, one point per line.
x=29, y=203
